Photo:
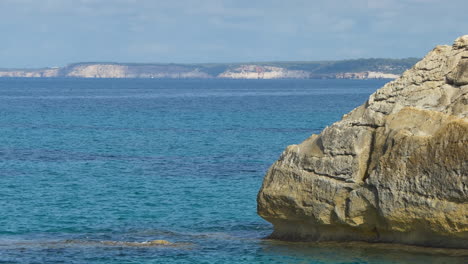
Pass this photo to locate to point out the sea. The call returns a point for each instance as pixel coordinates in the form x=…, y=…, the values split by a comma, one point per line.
x=92, y=170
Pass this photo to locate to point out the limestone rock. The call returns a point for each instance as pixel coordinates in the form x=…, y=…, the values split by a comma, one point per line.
x=395, y=169
x=251, y=71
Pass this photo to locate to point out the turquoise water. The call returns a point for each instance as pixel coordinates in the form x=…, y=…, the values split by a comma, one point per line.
x=90, y=169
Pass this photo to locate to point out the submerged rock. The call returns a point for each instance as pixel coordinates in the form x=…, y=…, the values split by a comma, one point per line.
x=394, y=169
x=138, y=244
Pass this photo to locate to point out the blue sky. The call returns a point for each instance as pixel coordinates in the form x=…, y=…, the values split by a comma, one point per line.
x=37, y=33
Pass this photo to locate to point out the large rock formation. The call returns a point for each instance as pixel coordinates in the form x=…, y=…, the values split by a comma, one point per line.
x=394, y=169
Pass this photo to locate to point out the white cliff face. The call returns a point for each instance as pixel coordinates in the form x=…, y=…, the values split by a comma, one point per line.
x=30, y=73
x=247, y=71
x=366, y=75
x=381, y=75
x=99, y=71
x=122, y=71
x=394, y=169
x=263, y=72
x=270, y=72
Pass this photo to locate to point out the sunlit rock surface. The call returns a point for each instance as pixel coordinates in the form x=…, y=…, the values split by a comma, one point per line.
x=394, y=169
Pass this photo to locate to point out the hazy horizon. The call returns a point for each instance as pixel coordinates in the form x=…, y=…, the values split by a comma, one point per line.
x=54, y=33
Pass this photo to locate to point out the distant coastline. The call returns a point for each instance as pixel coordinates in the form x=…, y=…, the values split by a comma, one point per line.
x=344, y=69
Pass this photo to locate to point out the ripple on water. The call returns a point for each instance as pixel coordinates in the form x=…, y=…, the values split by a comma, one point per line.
x=91, y=171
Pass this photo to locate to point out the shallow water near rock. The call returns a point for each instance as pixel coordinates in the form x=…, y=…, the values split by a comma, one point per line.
x=92, y=170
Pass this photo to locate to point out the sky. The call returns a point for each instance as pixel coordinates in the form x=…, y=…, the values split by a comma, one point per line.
x=48, y=33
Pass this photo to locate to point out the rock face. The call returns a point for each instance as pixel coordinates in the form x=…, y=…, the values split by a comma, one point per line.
x=134, y=71
x=395, y=169
x=263, y=72
x=40, y=73
x=366, y=75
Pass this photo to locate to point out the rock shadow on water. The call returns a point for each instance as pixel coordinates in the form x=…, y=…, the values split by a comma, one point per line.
x=362, y=252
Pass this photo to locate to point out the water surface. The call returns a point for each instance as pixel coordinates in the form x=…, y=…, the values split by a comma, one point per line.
x=91, y=168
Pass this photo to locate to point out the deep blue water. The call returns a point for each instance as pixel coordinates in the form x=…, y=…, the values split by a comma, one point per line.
x=85, y=161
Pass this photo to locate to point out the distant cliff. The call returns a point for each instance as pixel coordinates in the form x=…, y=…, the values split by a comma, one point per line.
x=251, y=71
x=29, y=73
x=347, y=69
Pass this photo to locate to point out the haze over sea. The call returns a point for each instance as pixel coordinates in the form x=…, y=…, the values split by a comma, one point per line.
x=91, y=168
